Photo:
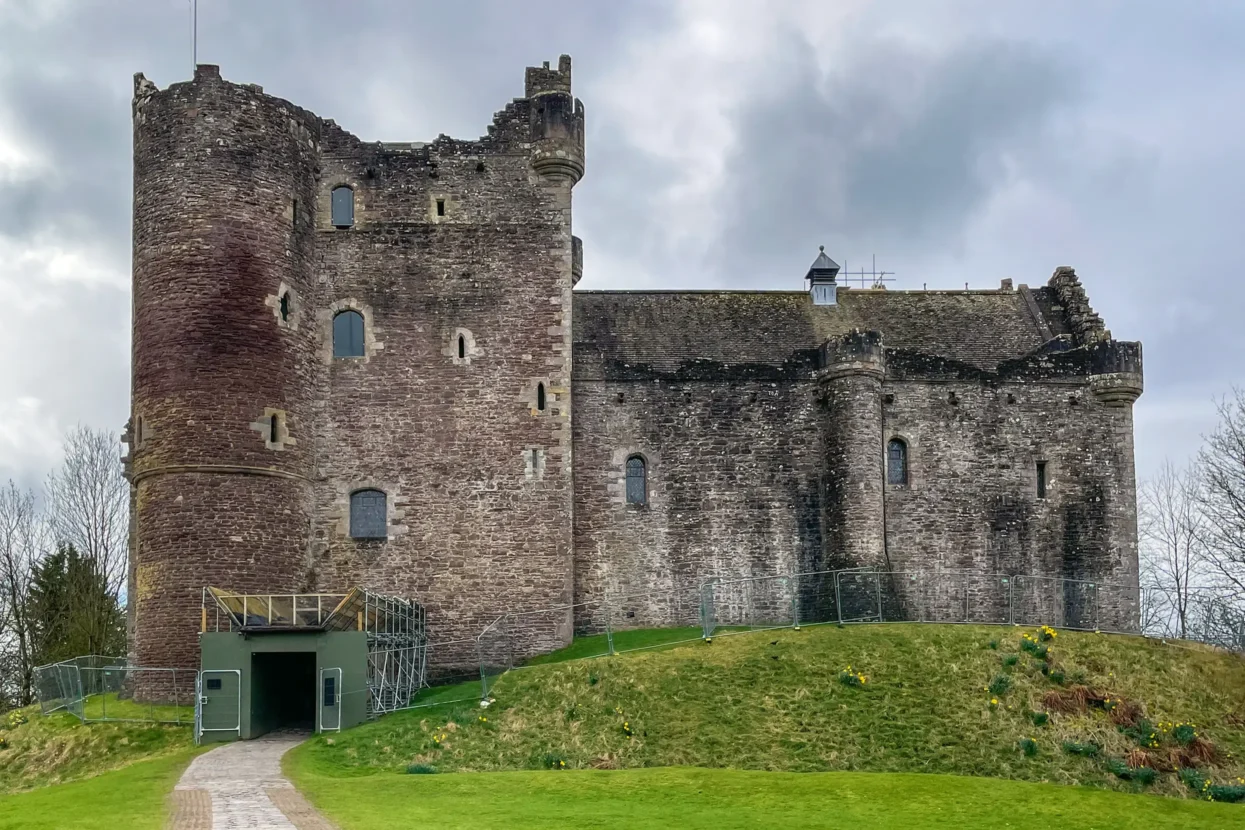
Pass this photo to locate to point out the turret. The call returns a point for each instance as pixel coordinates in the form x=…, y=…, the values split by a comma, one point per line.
x=557, y=123
x=850, y=390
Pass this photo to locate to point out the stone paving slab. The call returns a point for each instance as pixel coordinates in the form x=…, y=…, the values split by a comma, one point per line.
x=240, y=780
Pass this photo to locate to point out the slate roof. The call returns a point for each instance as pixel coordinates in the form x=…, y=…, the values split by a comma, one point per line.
x=663, y=329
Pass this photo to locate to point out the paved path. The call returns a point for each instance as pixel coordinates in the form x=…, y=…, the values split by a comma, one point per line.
x=239, y=786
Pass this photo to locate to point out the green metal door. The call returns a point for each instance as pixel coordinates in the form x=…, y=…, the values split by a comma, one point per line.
x=329, y=695
x=219, y=707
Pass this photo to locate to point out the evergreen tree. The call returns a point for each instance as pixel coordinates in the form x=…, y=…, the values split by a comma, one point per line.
x=72, y=611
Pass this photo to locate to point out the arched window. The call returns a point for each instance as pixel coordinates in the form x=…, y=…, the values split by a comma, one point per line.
x=637, y=481
x=348, y=334
x=462, y=347
x=897, y=462
x=368, y=516
x=540, y=397
x=273, y=436
x=285, y=307
x=341, y=205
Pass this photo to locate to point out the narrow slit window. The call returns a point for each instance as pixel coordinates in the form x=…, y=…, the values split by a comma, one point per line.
x=341, y=206
x=273, y=429
x=540, y=397
x=368, y=515
x=294, y=212
x=440, y=207
x=1041, y=479
x=348, y=334
x=897, y=462
x=285, y=307
x=637, y=481
x=462, y=347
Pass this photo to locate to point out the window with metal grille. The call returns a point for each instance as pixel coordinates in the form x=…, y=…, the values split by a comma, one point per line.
x=330, y=690
x=348, y=334
x=897, y=462
x=341, y=206
x=637, y=481
x=368, y=517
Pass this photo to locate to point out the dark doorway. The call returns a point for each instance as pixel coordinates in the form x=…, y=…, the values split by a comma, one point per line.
x=283, y=691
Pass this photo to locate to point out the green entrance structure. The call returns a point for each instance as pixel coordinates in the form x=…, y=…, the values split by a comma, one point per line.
x=308, y=662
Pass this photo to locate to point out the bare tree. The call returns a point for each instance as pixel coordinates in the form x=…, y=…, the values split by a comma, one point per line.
x=1172, y=528
x=89, y=510
x=1222, y=460
x=23, y=542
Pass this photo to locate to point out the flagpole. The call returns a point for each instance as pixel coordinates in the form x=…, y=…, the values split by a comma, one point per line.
x=194, y=34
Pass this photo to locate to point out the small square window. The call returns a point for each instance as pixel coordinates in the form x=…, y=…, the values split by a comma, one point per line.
x=213, y=684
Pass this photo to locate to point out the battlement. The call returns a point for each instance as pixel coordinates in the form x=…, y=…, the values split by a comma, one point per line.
x=542, y=79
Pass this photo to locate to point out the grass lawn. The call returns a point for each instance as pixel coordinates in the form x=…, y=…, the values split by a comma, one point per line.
x=133, y=798
x=701, y=799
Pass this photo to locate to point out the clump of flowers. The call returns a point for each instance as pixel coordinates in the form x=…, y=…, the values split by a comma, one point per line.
x=1029, y=747
x=999, y=685
x=1039, y=718
x=15, y=719
x=848, y=677
x=1182, y=733
x=626, y=729
x=994, y=702
x=1046, y=633
x=1032, y=645
x=483, y=719
x=438, y=741
x=1231, y=791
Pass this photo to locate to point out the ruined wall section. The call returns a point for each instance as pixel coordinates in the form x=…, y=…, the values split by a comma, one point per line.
x=223, y=175
x=452, y=239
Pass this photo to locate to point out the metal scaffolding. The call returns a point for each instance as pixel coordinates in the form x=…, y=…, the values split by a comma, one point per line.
x=396, y=628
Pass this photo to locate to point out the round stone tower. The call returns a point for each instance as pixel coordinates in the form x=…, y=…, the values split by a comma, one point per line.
x=224, y=353
x=850, y=387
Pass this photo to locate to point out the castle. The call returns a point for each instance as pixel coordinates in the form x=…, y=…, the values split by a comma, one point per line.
x=365, y=364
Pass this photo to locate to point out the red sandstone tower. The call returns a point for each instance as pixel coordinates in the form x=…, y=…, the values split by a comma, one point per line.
x=221, y=354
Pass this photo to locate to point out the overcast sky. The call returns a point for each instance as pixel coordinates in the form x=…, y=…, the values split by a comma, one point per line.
x=958, y=141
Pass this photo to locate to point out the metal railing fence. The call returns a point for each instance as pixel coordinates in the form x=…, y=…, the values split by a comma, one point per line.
x=97, y=689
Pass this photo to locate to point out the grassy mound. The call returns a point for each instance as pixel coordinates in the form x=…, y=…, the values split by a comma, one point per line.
x=38, y=750
x=970, y=700
x=704, y=799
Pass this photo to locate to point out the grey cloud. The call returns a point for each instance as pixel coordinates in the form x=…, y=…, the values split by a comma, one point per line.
x=899, y=148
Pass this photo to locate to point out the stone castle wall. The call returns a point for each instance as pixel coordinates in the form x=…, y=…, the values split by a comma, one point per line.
x=763, y=422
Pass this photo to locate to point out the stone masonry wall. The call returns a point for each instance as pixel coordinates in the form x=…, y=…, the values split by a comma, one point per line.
x=734, y=491
x=478, y=477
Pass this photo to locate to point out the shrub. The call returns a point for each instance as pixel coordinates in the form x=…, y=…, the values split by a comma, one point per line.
x=993, y=644
x=1143, y=733
x=554, y=760
x=1056, y=677
x=1142, y=775
x=1184, y=733
x=420, y=769
x=1011, y=660
x=1000, y=684
x=1087, y=750
x=1030, y=644
x=1029, y=747
x=852, y=678
x=593, y=680
x=1231, y=791
x=1039, y=718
